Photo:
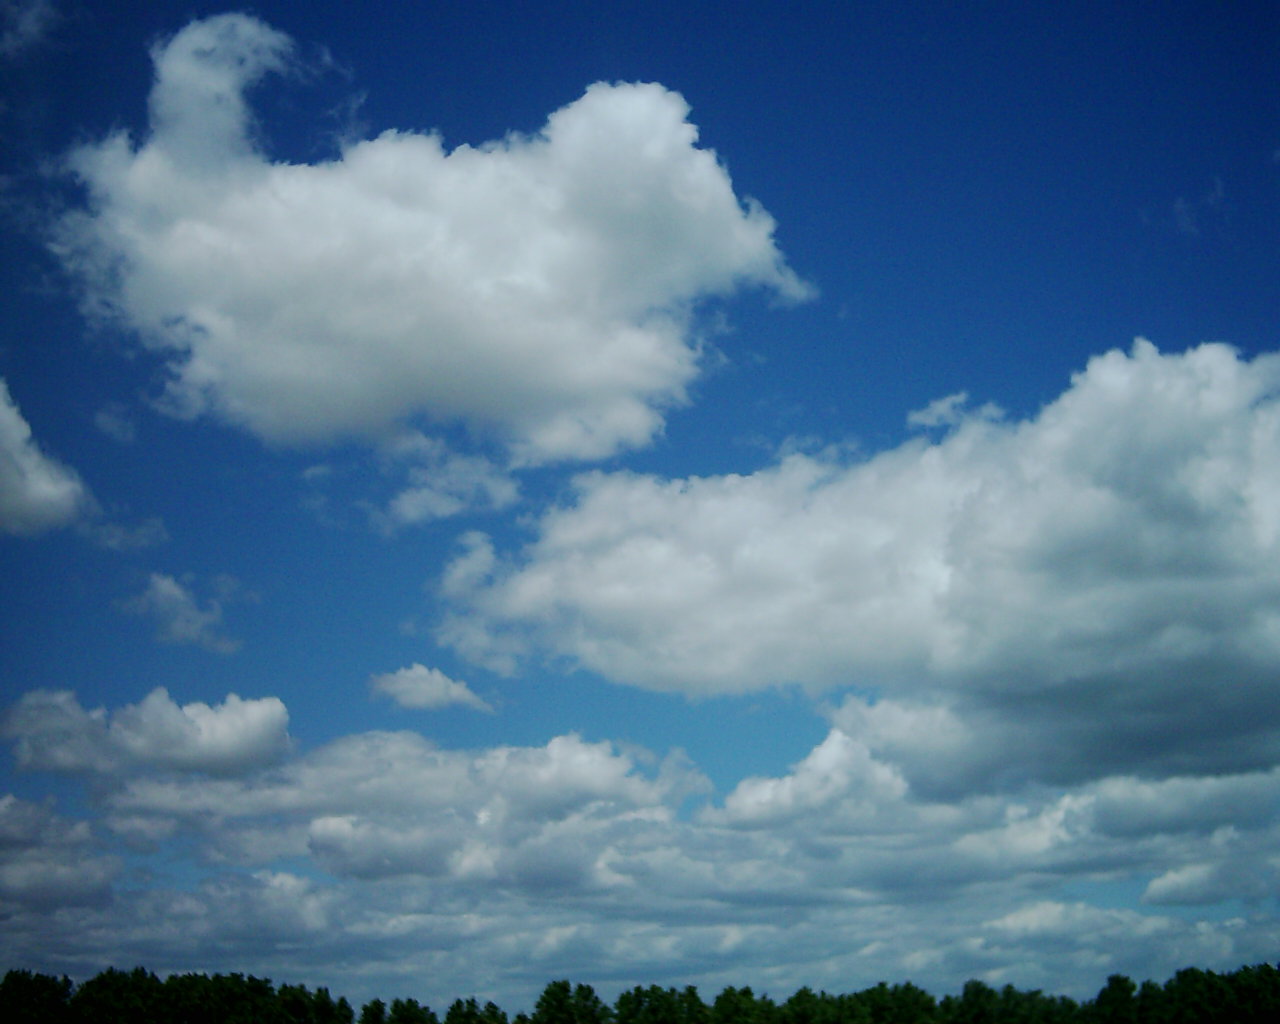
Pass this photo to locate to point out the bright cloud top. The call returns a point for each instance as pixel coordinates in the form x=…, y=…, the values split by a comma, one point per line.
x=37, y=493
x=536, y=287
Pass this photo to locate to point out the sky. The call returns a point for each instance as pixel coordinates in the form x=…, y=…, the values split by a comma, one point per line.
x=754, y=494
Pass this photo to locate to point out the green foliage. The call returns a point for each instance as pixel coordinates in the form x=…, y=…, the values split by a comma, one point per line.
x=1250, y=995
x=410, y=1011
x=562, y=1003
x=118, y=997
x=740, y=1006
x=1117, y=1003
x=27, y=998
x=469, y=1011
x=657, y=1005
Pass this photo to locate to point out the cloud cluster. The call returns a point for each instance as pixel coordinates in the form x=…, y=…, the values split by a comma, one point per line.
x=491, y=870
x=1045, y=648
x=37, y=493
x=1103, y=574
x=536, y=288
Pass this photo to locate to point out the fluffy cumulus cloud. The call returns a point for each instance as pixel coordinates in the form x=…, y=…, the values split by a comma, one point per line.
x=537, y=288
x=1092, y=587
x=420, y=687
x=53, y=732
x=37, y=493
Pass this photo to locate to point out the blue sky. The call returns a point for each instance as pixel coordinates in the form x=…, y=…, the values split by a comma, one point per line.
x=730, y=495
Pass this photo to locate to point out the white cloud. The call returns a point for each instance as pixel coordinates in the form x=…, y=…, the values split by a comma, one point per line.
x=36, y=492
x=180, y=617
x=538, y=288
x=839, y=770
x=950, y=412
x=380, y=774
x=1083, y=575
x=441, y=483
x=52, y=732
x=420, y=687
x=234, y=736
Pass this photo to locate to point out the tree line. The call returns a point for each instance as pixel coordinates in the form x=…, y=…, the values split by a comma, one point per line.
x=1192, y=996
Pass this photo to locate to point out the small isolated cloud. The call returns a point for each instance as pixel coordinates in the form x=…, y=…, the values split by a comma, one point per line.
x=52, y=732
x=420, y=687
x=180, y=617
x=1184, y=217
x=115, y=421
x=440, y=483
x=538, y=289
x=37, y=493
x=950, y=411
x=1210, y=214
x=941, y=412
x=115, y=536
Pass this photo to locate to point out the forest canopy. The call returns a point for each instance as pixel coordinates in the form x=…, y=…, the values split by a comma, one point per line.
x=1192, y=996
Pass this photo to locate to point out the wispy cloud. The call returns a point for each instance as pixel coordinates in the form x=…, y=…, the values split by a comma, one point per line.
x=179, y=615
x=24, y=24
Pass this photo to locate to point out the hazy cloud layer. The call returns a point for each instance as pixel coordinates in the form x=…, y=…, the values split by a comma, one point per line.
x=538, y=288
x=490, y=870
x=37, y=493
